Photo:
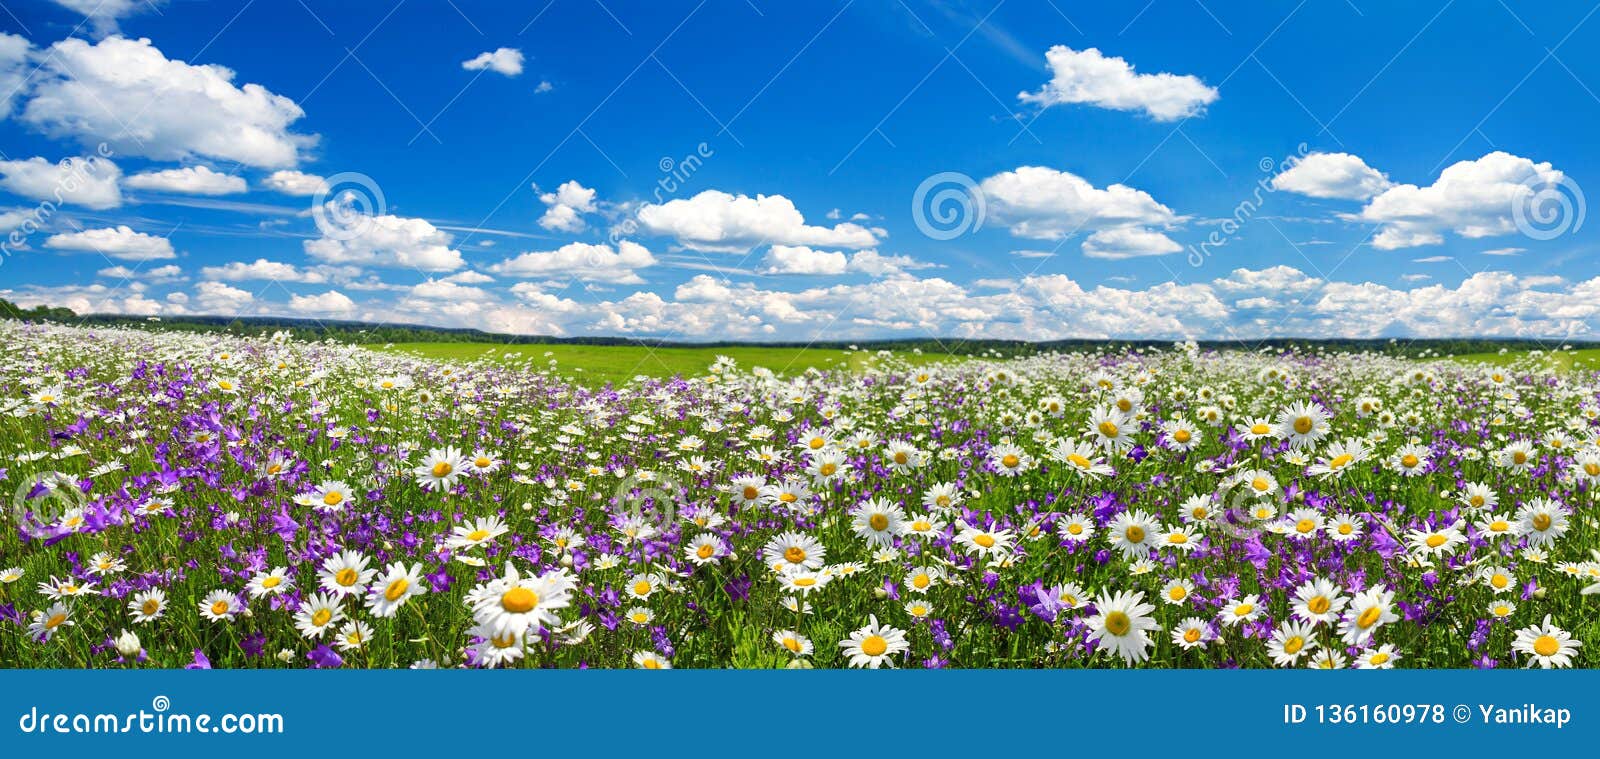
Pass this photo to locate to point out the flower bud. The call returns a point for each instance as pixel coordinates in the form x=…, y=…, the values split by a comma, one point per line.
x=128, y=644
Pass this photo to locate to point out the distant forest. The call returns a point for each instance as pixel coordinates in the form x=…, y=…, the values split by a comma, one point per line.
x=361, y=333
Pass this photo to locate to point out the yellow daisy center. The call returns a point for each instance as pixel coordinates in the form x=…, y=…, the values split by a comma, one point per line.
x=1546, y=646
x=519, y=600
x=874, y=645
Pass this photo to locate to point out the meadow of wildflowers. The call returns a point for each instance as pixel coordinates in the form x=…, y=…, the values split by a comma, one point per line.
x=188, y=501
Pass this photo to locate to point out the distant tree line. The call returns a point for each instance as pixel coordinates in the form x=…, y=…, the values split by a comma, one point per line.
x=361, y=333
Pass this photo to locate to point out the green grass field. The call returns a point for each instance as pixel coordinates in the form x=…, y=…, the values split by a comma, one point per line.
x=1561, y=360
x=596, y=365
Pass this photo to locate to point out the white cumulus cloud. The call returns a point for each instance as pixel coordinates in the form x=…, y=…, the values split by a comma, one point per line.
x=192, y=180
x=291, y=182
x=219, y=299
x=1044, y=203
x=88, y=182
x=718, y=221
x=103, y=15
x=566, y=206
x=585, y=261
x=330, y=303
x=14, y=50
x=129, y=95
x=1128, y=242
x=155, y=274
x=265, y=270
x=387, y=240
x=799, y=259
x=1089, y=77
x=1472, y=199
x=505, y=60
x=1332, y=175
x=115, y=242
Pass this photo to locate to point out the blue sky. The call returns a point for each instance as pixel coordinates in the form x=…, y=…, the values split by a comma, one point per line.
x=750, y=170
